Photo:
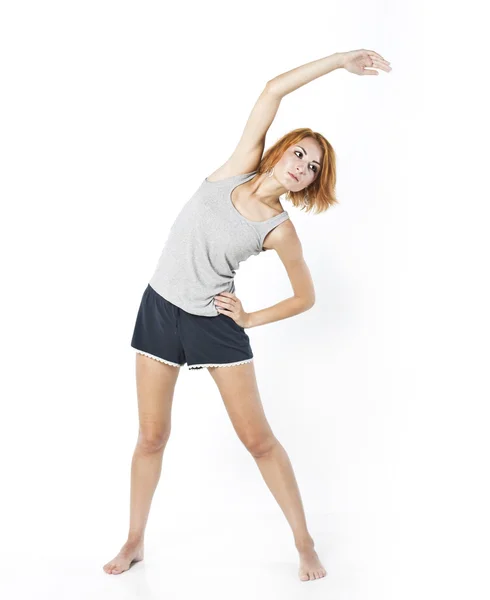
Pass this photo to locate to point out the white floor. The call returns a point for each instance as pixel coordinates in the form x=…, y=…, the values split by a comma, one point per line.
x=244, y=558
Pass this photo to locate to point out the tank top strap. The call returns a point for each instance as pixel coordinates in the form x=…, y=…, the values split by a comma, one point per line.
x=232, y=180
x=264, y=227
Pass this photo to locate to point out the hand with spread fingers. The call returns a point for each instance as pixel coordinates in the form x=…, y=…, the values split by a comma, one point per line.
x=228, y=304
x=364, y=62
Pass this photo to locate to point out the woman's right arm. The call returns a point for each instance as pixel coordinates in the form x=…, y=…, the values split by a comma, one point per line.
x=285, y=83
x=248, y=153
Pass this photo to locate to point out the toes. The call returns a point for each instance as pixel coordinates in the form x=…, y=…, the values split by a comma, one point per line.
x=312, y=575
x=111, y=569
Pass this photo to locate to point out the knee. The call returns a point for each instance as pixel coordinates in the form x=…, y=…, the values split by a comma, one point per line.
x=259, y=445
x=151, y=440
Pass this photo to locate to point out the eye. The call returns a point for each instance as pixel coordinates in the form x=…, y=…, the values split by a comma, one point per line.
x=314, y=168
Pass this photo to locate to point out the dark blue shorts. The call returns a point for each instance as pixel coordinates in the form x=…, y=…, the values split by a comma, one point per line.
x=170, y=334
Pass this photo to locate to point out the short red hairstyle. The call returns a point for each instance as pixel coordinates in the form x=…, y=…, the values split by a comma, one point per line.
x=321, y=193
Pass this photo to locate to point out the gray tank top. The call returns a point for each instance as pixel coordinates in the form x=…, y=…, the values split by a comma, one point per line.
x=206, y=243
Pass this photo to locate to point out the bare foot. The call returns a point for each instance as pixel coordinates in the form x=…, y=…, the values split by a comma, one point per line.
x=310, y=566
x=129, y=553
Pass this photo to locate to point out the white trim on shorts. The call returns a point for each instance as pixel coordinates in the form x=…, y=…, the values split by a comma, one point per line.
x=240, y=362
x=156, y=357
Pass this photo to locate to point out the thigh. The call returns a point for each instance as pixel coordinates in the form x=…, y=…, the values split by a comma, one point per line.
x=155, y=383
x=156, y=330
x=239, y=391
x=212, y=341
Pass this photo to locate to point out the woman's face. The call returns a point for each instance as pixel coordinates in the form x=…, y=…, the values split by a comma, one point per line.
x=303, y=160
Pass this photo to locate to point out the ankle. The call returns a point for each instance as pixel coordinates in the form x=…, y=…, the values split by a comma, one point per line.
x=304, y=544
x=135, y=539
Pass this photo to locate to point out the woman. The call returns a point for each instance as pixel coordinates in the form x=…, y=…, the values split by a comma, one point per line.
x=190, y=313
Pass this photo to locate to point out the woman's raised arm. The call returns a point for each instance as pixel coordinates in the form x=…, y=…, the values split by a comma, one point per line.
x=248, y=153
x=359, y=62
x=246, y=156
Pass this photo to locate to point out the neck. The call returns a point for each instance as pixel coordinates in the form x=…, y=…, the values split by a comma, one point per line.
x=265, y=189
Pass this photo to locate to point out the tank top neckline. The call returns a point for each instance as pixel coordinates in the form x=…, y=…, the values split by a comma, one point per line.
x=235, y=209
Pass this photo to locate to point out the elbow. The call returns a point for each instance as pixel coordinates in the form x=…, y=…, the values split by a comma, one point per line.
x=271, y=87
x=307, y=303
x=310, y=302
x=310, y=305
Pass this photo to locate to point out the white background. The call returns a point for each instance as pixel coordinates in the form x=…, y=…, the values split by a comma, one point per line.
x=112, y=115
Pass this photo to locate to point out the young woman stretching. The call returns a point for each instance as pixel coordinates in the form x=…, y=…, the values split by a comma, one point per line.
x=190, y=314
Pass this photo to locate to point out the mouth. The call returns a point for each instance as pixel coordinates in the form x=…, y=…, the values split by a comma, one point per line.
x=293, y=176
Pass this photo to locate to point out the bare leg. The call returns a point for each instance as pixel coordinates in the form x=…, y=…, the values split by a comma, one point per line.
x=238, y=388
x=155, y=382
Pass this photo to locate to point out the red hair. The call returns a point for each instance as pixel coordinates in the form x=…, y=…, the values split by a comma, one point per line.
x=321, y=193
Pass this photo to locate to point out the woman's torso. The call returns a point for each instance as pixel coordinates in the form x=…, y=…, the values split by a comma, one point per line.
x=208, y=240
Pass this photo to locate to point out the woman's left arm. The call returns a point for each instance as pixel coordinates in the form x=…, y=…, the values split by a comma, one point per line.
x=359, y=62
x=285, y=241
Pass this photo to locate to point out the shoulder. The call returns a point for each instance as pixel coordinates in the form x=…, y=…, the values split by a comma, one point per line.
x=227, y=174
x=283, y=239
x=289, y=249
